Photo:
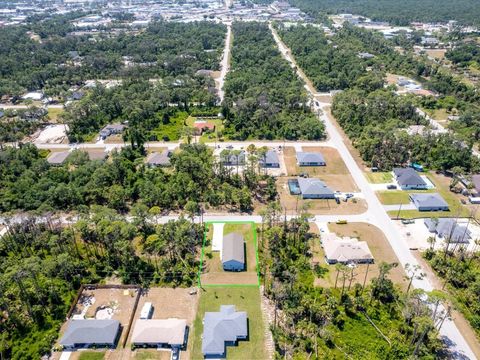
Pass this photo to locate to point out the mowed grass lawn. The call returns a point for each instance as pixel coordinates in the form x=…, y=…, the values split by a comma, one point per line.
x=393, y=197
x=245, y=299
x=457, y=209
x=379, y=177
x=54, y=113
x=91, y=355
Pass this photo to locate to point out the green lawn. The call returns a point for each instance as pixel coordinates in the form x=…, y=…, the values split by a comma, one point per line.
x=245, y=299
x=379, y=177
x=173, y=130
x=393, y=197
x=91, y=355
x=54, y=113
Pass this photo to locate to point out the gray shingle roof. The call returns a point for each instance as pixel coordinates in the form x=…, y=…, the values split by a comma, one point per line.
x=271, y=157
x=233, y=248
x=90, y=332
x=310, y=157
x=430, y=200
x=57, y=158
x=312, y=186
x=157, y=158
x=219, y=327
x=408, y=177
x=449, y=228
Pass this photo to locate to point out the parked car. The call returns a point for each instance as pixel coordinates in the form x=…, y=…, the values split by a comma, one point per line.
x=348, y=196
x=391, y=187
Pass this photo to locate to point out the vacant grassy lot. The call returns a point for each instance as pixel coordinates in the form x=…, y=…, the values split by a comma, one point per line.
x=389, y=197
x=334, y=173
x=91, y=355
x=173, y=130
x=245, y=299
x=379, y=247
x=213, y=273
x=379, y=177
x=54, y=113
x=317, y=206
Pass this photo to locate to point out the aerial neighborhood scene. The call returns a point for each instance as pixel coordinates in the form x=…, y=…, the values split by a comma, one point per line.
x=239, y=179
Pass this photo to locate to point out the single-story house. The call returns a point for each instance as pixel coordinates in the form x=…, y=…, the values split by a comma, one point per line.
x=408, y=179
x=202, y=125
x=448, y=228
x=223, y=328
x=312, y=188
x=159, y=332
x=429, y=202
x=89, y=333
x=96, y=155
x=233, y=252
x=365, y=55
x=58, y=158
x=269, y=160
x=33, y=95
x=111, y=129
x=159, y=159
x=345, y=250
x=310, y=159
x=233, y=157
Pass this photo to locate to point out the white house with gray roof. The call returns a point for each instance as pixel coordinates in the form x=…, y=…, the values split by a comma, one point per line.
x=429, y=202
x=89, y=333
x=310, y=159
x=233, y=252
x=408, y=179
x=269, y=160
x=448, y=229
x=223, y=328
x=312, y=188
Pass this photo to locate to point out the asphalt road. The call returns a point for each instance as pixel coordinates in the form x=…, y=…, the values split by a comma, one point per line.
x=376, y=214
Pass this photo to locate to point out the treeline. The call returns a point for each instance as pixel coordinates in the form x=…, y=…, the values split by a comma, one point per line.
x=465, y=54
x=144, y=105
x=44, y=264
x=337, y=322
x=263, y=96
x=397, y=13
x=29, y=183
x=162, y=50
x=461, y=271
x=374, y=121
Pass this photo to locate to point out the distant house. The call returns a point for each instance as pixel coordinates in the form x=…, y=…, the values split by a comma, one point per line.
x=448, y=228
x=269, y=160
x=233, y=252
x=77, y=95
x=408, y=179
x=57, y=158
x=203, y=72
x=345, y=250
x=310, y=159
x=90, y=333
x=159, y=333
x=429, y=202
x=34, y=95
x=312, y=188
x=111, y=129
x=429, y=41
x=159, y=159
x=365, y=55
x=221, y=329
x=201, y=126
x=74, y=55
x=232, y=157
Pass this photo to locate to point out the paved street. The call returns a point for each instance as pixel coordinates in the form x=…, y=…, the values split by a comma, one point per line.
x=377, y=215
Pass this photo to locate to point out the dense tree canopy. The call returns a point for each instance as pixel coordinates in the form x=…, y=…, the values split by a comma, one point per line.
x=264, y=97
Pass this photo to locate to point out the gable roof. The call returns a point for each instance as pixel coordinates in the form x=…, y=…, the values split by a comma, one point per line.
x=159, y=331
x=310, y=157
x=219, y=327
x=313, y=186
x=90, y=332
x=430, y=200
x=345, y=249
x=57, y=158
x=408, y=177
x=271, y=157
x=233, y=248
x=156, y=158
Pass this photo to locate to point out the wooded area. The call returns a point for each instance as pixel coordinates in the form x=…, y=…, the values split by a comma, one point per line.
x=264, y=97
